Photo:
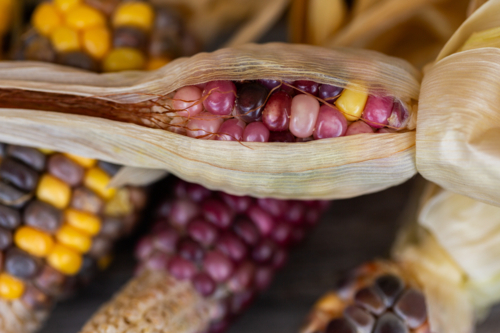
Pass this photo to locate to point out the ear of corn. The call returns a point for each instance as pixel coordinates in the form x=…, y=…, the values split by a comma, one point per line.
x=55, y=228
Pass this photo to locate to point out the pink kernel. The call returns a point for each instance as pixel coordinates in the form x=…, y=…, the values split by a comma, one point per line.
x=305, y=111
x=220, y=97
x=378, y=110
x=256, y=132
x=204, y=126
x=358, y=127
x=231, y=130
x=331, y=123
x=188, y=99
x=277, y=111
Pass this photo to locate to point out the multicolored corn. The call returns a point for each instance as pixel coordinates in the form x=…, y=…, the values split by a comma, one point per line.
x=106, y=36
x=206, y=258
x=378, y=297
x=58, y=223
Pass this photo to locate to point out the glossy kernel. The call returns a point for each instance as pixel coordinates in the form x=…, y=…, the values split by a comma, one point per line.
x=123, y=59
x=53, y=191
x=97, y=42
x=304, y=114
x=88, y=223
x=65, y=39
x=352, y=103
x=65, y=5
x=97, y=180
x=64, y=259
x=10, y=287
x=136, y=14
x=46, y=18
x=83, y=161
x=84, y=17
x=33, y=241
x=74, y=239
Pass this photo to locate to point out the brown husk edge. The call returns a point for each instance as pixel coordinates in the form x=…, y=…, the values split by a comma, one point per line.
x=332, y=168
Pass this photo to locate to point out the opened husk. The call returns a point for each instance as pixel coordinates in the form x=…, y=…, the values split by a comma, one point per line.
x=331, y=168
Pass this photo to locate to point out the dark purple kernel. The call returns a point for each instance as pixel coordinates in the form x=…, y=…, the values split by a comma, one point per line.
x=204, y=284
x=43, y=216
x=11, y=196
x=390, y=323
x=295, y=213
x=247, y=231
x=232, y=246
x=242, y=278
x=21, y=265
x=65, y=169
x=18, y=174
x=237, y=203
x=370, y=299
x=35, y=299
x=29, y=156
x=328, y=92
x=197, y=193
x=270, y=84
x=412, y=308
x=9, y=218
x=276, y=114
x=5, y=239
x=275, y=207
x=309, y=87
x=390, y=287
x=282, y=233
x=340, y=325
x=130, y=37
x=181, y=268
x=217, y=213
x=86, y=200
x=251, y=101
x=203, y=232
x=361, y=319
x=190, y=250
x=78, y=59
x=264, y=251
x=285, y=136
x=218, y=266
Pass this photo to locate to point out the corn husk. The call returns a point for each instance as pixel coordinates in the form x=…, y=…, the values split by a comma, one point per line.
x=332, y=168
x=459, y=117
x=16, y=317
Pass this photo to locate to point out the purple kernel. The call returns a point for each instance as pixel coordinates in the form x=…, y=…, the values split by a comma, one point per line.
x=237, y=203
x=204, y=284
x=282, y=233
x=262, y=220
x=275, y=207
x=378, y=110
x=232, y=246
x=220, y=97
x=181, y=268
x=295, y=213
x=231, y=130
x=144, y=248
x=157, y=261
x=182, y=212
x=256, y=132
x=251, y=101
x=390, y=323
x=309, y=87
x=411, y=308
x=166, y=240
x=242, y=278
x=370, y=299
x=218, y=266
x=270, y=84
x=280, y=258
x=340, y=325
x=197, y=193
x=358, y=127
x=264, y=251
x=399, y=115
x=285, y=136
x=203, y=232
x=190, y=250
x=328, y=92
x=247, y=231
x=276, y=115
x=330, y=123
x=217, y=212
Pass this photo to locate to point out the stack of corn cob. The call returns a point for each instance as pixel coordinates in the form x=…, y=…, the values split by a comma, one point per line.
x=58, y=222
x=106, y=36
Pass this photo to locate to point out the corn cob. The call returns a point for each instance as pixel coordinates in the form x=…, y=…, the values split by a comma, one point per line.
x=216, y=251
x=378, y=297
x=58, y=222
x=107, y=36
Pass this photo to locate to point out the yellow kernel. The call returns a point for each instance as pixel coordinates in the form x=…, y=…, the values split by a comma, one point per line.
x=33, y=241
x=123, y=59
x=65, y=5
x=83, y=161
x=97, y=42
x=104, y=262
x=97, y=180
x=65, y=260
x=352, y=103
x=136, y=14
x=74, y=239
x=46, y=151
x=84, y=17
x=120, y=204
x=53, y=191
x=46, y=18
x=83, y=221
x=65, y=39
x=10, y=287
x=155, y=63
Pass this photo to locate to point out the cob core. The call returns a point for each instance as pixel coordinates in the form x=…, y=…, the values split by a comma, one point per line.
x=58, y=222
x=220, y=247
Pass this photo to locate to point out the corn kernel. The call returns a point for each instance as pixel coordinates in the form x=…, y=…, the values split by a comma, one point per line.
x=136, y=14
x=352, y=103
x=123, y=59
x=65, y=5
x=120, y=204
x=65, y=260
x=33, y=241
x=46, y=18
x=53, y=191
x=65, y=39
x=83, y=221
x=155, y=63
x=74, y=239
x=83, y=161
x=97, y=180
x=97, y=42
x=10, y=287
x=46, y=151
x=84, y=17
x=104, y=262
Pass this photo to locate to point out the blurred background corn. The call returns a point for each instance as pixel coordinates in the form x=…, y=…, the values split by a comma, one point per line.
x=106, y=35
x=58, y=223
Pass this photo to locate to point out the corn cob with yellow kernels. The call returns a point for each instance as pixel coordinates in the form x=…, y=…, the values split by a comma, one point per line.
x=58, y=222
x=107, y=36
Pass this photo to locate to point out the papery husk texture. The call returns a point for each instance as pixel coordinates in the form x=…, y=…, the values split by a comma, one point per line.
x=331, y=168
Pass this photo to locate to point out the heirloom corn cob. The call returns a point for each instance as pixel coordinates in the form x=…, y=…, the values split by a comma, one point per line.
x=58, y=223
x=206, y=258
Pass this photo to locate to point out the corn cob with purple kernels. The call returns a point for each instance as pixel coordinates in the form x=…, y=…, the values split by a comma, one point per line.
x=104, y=35
x=58, y=223
x=378, y=297
x=216, y=250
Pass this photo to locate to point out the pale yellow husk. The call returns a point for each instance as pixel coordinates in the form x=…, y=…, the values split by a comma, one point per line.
x=16, y=317
x=458, y=125
x=332, y=168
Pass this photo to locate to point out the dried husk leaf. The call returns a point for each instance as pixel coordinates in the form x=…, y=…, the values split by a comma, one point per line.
x=332, y=168
x=474, y=5
x=16, y=317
